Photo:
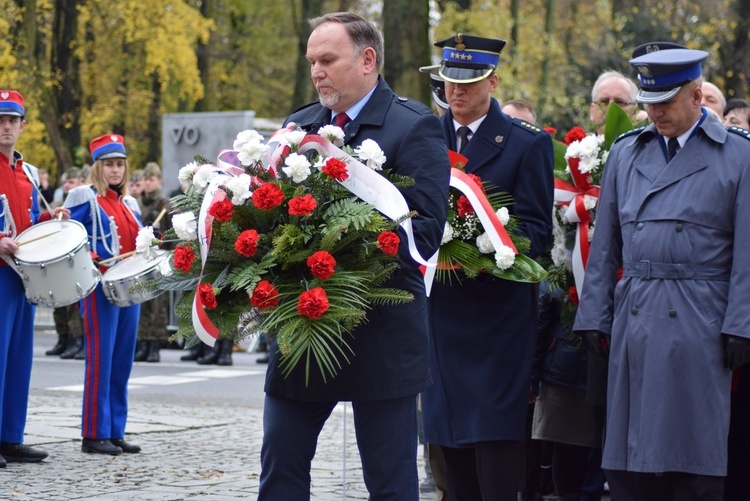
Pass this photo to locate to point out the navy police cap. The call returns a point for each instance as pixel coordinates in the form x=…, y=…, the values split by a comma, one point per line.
x=648, y=48
x=468, y=59
x=437, y=85
x=662, y=73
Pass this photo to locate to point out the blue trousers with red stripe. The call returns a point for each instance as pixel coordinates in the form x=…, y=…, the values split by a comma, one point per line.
x=16, y=352
x=109, y=343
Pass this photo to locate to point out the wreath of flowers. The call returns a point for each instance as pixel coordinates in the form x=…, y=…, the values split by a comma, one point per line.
x=292, y=252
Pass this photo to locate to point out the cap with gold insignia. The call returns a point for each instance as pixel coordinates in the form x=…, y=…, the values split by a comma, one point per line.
x=468, y=59
x=663, y=72
x=437, y=85
x=108, y=146
x=11, y=103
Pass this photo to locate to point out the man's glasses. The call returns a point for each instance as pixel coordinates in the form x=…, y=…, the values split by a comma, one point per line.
x=617, y=101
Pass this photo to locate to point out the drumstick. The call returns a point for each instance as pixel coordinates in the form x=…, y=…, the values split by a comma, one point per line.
x=115, y=258
x=158, y=218
x=36, y=238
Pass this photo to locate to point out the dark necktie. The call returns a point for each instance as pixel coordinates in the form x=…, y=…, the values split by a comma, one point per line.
x=463, y=134
x=341, y=120
x=672, y=146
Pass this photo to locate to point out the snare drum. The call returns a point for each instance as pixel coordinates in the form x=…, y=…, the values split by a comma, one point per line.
x=118, y=281
x=55, y=264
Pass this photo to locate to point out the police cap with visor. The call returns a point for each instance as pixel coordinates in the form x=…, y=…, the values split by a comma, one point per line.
x=663, y=68
x=467, y=59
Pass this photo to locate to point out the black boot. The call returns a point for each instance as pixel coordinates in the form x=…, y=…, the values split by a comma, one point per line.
x=194, y=353
x=59, y=348
x=74, y=346
x=153, y=355
x=211, y=356
x=141, y=351
x=100, y=447
x=225, y=352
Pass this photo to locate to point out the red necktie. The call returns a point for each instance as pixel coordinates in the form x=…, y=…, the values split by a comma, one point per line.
x=341, y=120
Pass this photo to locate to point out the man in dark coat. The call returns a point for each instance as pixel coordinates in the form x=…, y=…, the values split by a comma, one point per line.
x=673, y=214
x=484, y=330
x=389, y=367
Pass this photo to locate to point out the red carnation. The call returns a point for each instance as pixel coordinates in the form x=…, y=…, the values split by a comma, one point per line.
x=268, y=196
x=313, y=303
x=478, y=181
x=302, y=206
x=183, y=258
x=619, y=274
x=208, y=298
x=388, y=242
x=550, y=130
x=573, y=294
x=247, y=243
x=264, y=295
x=574, y=134
x=336, y=169
x=321, y=265
x=222, y=210
x=464, y=206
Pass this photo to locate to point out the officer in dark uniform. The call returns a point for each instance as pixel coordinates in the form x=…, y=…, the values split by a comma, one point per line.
x=484, y=330
x=437, y=88
x=672, y=215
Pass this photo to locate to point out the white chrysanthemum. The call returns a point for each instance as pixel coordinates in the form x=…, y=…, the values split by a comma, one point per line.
x=250, y=147
x=144, y=241
x=297, y=167
x=588, y=164
x=605, y=156
x=589, y=202
x=240, y=188
x=202, y=177
x=185, y=226
x=186, y=173
x=503, y=215
x=447, y=234
x=591, y=232
x=504, y=257
x=561, y=256
x=333, y=133
x=370, y=153
x=293, y=138
x=484, y=244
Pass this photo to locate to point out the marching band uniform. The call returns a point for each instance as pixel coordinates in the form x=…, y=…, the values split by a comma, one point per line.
x=19, y=209
x=112, y=222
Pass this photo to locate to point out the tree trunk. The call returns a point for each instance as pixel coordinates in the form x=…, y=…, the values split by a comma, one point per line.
x=548, y=34
x=304, y=91
x=65, y=68
x=735, y=58
x=203, y=55
x=407, y=46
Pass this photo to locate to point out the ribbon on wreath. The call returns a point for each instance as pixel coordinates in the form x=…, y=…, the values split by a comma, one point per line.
x=574, y=197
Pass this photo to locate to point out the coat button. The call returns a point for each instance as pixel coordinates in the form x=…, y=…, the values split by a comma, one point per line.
x=639, y=226
x=672, y=313
x=678, y=228
x=634, y=310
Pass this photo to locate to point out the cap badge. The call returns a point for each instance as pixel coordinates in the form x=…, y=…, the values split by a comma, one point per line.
x=644, y=70
x=460, y=42
x=5, y=95
x=652, y=48
x=113, y=138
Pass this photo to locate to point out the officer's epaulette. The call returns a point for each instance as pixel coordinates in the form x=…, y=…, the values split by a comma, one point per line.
x=629, y=133
x=306, y=106
x=739, y=131
x=526, y=125
x=79, y=195
x=412, y=104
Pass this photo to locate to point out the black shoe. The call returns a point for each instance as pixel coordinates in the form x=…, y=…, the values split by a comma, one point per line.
x=59, y=348
x=3, y=463
x=141, y=351
x=153, y=352
x=194, y=353
x=20, y=453
x=225, y=352
x=126, y=446
x=262, y=360
x=211, y=356
x=74, y=346
x=100, y=447
x=81, y=355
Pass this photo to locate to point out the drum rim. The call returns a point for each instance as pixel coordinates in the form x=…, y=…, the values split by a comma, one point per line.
x=157, y=261
x=84, y=240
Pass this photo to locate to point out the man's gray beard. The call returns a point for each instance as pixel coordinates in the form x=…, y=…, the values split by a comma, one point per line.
x=331, y=100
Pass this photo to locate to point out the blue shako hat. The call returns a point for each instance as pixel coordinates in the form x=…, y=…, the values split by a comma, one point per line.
x=11, y=103
x=437, y=85
x=108, y=146
x=663, y=72
x=468, y=59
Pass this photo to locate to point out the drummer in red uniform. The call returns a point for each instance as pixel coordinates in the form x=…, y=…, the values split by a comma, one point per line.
x=19, y=209
x=112, y=221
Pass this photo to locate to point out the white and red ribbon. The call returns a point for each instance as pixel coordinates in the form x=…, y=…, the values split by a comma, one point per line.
x=573, y=197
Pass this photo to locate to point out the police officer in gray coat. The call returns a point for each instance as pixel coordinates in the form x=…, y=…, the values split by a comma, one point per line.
x=674, y=215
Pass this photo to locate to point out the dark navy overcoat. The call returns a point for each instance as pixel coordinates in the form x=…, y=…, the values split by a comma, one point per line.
x=390, y=359
x=484, y=330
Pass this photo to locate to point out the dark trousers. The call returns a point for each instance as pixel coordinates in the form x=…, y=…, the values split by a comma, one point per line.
x=386, y=437
x=488, y=471
x=668, y=486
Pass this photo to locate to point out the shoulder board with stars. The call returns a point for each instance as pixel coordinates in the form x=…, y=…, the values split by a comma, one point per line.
x=629, y=133
x=739, y=131
x=526, y=125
